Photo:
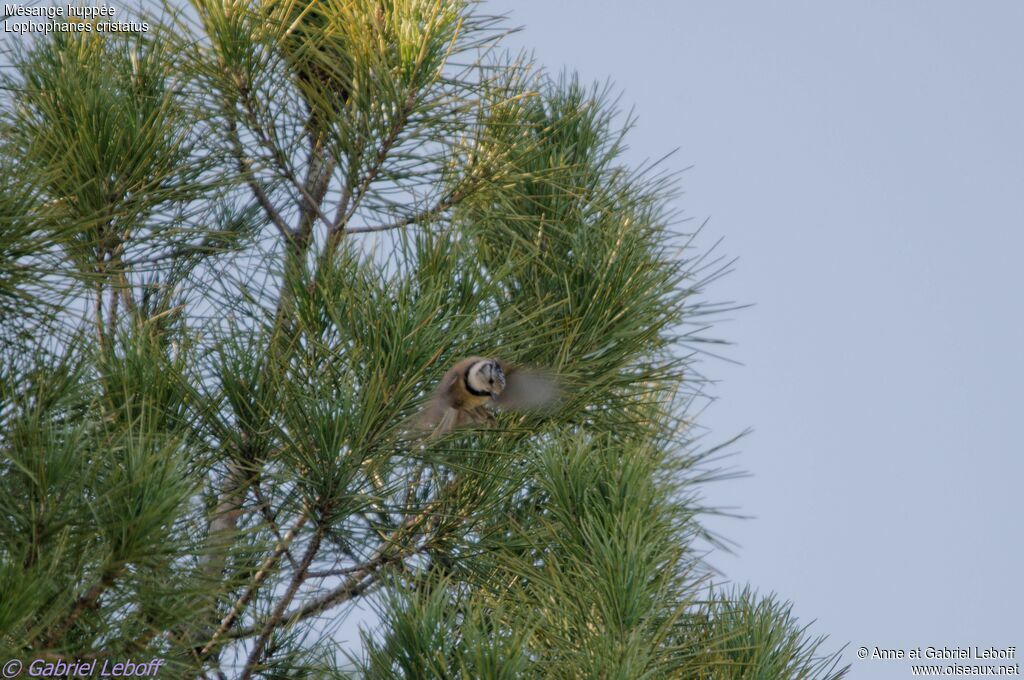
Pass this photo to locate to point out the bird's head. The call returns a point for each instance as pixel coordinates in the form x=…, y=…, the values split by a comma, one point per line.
x=487, y=376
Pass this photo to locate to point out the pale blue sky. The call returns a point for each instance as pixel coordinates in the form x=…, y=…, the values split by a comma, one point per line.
x=865, y=161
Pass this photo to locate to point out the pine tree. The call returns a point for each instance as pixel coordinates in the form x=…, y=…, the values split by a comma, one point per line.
x=238, y=252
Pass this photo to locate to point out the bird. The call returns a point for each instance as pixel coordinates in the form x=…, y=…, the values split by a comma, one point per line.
x=474, y=386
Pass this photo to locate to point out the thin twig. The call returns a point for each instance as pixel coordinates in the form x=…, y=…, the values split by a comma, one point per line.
x=257, y=581
x=444, y=204
x=245, y=167
x=297, y=580
x=90, y=600
x=317, y=181
x=363, y=575
x=347, y=210
x=101, y=335
x=270, y=518
x=361, y=579
x=122, y=278
x=340, y=571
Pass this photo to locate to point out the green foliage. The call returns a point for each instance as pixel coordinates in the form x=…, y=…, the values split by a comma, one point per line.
x=432, y=634
x=95, y=501
x=240, y=252
x=105, y=139
x=743, y=635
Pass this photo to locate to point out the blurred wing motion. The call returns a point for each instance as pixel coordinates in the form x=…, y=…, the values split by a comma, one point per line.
x=528, y=389
x=476, y=385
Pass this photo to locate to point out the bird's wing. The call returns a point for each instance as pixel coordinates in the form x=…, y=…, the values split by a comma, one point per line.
x=527, y=389
x=448, y=421
x=440, y=401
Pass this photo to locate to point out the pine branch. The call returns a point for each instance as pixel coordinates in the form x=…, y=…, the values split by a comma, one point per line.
x=89, y=601
x=258, y=578
x=245, y=167
x=318, y=173
x=362, y=576
x=256, y=655
x=350, y=202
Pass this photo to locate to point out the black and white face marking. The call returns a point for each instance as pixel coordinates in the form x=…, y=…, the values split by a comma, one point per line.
x=485, y=378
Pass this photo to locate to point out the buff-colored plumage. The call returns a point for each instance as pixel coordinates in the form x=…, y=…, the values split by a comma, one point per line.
x=475, y=386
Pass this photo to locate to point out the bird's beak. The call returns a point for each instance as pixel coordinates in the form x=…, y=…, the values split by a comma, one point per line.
x=494, y=396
